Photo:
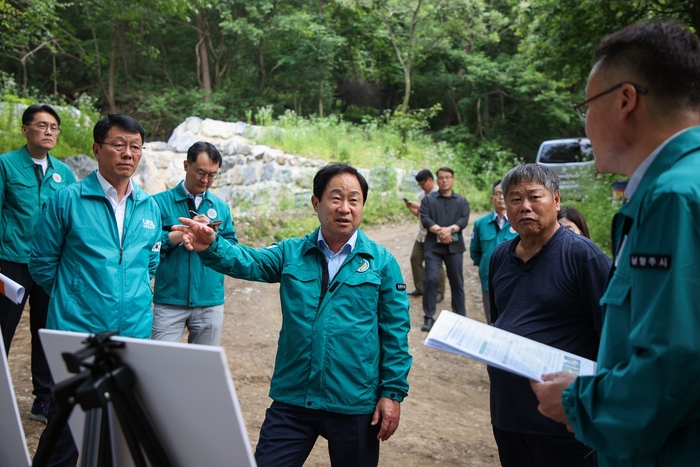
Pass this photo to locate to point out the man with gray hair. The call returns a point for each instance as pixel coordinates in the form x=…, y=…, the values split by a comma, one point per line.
x=545, y=285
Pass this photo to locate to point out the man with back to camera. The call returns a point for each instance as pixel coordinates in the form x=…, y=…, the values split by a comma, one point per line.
x=445, y=214
x=424, y=178
x=96, y=247
x=342, y=358
x=489, y=232
x=642, y=407
x=189, y=295
x=28, y=177
x=545, y=284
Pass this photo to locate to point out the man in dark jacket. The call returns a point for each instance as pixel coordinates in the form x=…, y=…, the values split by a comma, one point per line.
x=445, y=214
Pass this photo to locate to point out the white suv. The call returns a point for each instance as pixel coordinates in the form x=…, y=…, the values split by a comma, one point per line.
x=567, y=158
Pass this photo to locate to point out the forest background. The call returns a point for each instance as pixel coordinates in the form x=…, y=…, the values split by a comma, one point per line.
x=476, y=84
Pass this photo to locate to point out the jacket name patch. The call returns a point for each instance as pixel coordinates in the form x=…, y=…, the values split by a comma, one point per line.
x=650, y=261
x=400, y=287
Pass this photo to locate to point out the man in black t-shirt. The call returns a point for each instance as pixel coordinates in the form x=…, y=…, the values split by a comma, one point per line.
x=545, y=285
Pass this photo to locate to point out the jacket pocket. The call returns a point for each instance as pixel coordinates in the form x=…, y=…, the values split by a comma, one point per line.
x=23, y=191
x=617, y=291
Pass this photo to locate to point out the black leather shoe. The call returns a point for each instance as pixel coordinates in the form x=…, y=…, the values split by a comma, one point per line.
x=428, y=325
x=440, y=297
x=415, y=293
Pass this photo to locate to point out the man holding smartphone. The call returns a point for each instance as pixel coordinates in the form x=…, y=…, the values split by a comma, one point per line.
x=187, y=294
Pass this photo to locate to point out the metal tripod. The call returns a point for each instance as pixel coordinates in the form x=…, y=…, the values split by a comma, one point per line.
x=103, y=380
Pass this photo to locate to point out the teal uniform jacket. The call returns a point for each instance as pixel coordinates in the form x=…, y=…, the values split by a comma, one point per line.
x=486, y=236
x=181, y=278
x=642, y=408
x=22, y=199
x=95, y=283
x=340, y=352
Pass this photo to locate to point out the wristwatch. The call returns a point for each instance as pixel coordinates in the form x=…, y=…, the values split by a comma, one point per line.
x=452, y=228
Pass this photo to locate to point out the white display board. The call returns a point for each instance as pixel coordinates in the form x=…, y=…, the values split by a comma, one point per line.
x=13, y=444
x=187, y=392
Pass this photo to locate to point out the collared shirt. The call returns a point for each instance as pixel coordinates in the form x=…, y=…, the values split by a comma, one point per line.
x=501, y=220
x=118, y=206
x=642, y=169
x=335, y=260
x=197, y=198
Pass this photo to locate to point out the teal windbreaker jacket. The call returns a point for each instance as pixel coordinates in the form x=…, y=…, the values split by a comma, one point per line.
x=642, y=408
x=181, y=278
x=22, y=199
x=95, y=283
x=486, y=236
x=339, y=352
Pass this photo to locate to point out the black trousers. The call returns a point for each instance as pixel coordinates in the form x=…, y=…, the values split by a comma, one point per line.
x=289, y=433
x=530, y=450
x=10, y=314
x=65, y=452
x=453, y=264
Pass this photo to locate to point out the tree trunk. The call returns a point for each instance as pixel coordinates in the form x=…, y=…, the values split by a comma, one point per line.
x=322, y=67
x=261, y=64
x=407, y=86
x=112, y=72
x=205, y=72
x=320, y=97
x=55, y=75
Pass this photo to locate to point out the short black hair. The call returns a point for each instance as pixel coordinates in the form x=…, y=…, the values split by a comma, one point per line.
x=324, y=176
x=28, y=115
x=124, y=122
x=446, y=169
x=202, y=146
x=423, y=175
x=663, y=55
x=494, y=185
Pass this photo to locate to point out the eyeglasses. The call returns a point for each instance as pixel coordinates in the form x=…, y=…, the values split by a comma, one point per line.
x=121, y=147
x=581, y=114
x=43, y=126
x=498, y=194
x=445, y=178
x=201, y=174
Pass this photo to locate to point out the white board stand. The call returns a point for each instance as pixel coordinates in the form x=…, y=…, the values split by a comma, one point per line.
x=187, y=393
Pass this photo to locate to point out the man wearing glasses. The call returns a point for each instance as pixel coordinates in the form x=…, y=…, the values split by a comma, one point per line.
x=98, y=243
x=445, y=214
x=642, y=407
x=97, y=247
x=28, y=177
x=189, y=295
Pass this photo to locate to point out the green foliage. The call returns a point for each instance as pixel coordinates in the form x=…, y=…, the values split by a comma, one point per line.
x=374, y=143
x=594, y=200
x=77, y=122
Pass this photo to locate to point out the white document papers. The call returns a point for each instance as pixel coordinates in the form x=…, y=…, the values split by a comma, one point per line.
x=502, y=349
x=11, y=289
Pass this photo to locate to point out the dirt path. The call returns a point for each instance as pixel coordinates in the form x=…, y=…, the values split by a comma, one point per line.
x=444, y=420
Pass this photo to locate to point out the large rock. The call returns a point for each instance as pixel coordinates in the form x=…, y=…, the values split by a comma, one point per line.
x=81, y=165
x=252, y=177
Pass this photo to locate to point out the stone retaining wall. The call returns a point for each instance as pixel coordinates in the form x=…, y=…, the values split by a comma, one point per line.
x=253, y=178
